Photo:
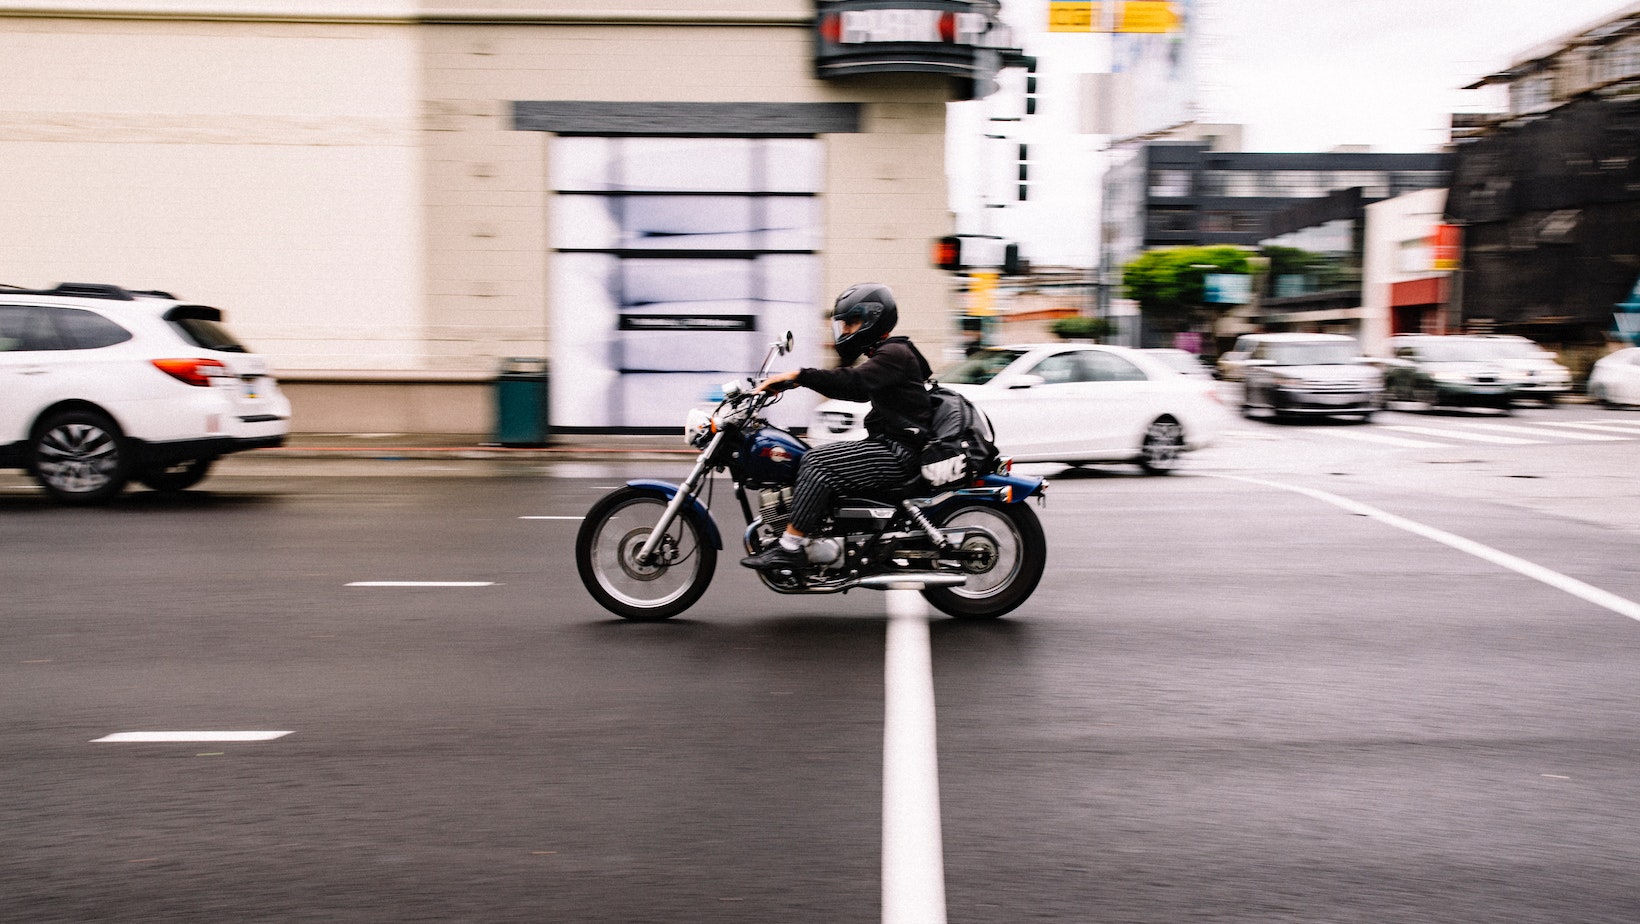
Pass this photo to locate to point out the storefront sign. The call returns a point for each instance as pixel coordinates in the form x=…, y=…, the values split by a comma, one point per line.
x=953, y=37
x=1448, y=246
x=688, y=322
x=1152, y=16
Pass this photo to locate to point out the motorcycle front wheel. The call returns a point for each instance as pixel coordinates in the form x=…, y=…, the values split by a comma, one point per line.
x=607, y=547
x=1013, y=552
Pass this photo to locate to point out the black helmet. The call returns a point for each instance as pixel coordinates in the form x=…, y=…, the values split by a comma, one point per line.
x=870, y=303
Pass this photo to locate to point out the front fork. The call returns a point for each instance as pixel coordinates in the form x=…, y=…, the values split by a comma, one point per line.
x=686, y=493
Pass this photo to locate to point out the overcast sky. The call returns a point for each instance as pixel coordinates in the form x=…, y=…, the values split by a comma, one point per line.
x=1308, y=75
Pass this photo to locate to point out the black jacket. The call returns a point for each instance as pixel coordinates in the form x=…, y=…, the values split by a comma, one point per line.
x=891, y=377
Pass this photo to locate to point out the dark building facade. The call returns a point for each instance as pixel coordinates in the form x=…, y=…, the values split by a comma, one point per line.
x=1180, y=193
x=1548, y=196
x=1174, y=194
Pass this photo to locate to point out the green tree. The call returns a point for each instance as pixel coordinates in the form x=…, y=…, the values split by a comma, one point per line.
x=1169, y=283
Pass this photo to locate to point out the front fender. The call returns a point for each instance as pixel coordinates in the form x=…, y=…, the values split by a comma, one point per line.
x=671, y=490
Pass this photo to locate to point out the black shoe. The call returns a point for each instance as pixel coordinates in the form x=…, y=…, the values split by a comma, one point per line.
x=776, y=558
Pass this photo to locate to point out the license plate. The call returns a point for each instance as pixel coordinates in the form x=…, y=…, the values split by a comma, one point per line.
x=251, y=391
x=1331, y=399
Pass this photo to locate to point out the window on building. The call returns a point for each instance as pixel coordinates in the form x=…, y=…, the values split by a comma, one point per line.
x=1529, y=94
x=675, y=259
x=1169, y=184
x=1374, y=184
x=1172, y=219
x=1618, y=61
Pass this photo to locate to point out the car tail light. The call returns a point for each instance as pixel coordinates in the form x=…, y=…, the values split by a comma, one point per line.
x=192, y=371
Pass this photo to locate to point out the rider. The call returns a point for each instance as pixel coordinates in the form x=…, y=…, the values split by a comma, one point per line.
x=891, y=378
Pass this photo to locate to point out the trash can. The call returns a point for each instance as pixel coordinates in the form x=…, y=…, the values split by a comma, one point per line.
x=521, y=402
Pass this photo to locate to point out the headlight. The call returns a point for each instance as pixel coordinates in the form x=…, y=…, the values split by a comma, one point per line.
x=697, y=427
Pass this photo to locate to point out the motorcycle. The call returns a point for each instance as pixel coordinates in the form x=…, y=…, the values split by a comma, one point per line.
x=647, y=551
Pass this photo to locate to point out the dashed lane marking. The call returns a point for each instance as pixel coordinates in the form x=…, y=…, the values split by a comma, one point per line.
x=1386, y=440
x=421, y=584
x=1547, y=434
x=1458, y=435
x=1615, y=426
x=191, y=737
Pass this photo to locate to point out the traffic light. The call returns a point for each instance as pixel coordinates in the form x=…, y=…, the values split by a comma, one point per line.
x=948, y=253
x=1012, y=265
x=1030, y=86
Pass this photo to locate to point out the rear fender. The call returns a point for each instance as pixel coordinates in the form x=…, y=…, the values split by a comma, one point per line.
x=670, y=490
x=999, y=489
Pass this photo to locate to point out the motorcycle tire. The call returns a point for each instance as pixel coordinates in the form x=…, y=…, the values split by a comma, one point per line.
x=1011, y=573
x=606, y=556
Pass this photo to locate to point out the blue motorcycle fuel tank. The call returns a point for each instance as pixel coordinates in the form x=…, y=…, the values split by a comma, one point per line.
x=771, y=456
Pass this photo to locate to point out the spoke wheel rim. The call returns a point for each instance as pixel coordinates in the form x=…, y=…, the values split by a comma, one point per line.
x=1162, y=443
x=615, y=547
x=77, y=458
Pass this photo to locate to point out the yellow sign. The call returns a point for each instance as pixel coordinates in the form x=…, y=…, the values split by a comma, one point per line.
x=1070, y=17
x=1152, y=16
x=981, y=289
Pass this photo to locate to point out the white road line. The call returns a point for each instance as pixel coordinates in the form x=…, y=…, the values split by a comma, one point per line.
x=421, y=584
x=1586, y=592
x=1387, y=440
x=554, y=518
x=913, y=859
x=1611, y=427
x=1547, y=434
x=167, y=737
x=1459, y=435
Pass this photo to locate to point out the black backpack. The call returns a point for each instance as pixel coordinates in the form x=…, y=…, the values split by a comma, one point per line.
x=961, y=445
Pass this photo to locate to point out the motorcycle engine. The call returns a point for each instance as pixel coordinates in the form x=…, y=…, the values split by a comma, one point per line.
x=775, y=509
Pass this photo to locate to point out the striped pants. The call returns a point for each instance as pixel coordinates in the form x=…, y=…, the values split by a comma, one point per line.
x=862, y=467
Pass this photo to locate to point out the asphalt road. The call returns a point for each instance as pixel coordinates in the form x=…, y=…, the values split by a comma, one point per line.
x=1228, y=701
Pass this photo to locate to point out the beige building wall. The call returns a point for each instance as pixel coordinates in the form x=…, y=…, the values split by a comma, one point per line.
x=268, y=168
x=488, y=199
x=342, y=177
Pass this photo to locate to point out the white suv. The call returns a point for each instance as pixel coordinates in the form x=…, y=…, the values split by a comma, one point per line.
x=100, y=385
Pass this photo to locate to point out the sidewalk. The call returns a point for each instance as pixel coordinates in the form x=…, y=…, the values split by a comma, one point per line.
x=401, y=446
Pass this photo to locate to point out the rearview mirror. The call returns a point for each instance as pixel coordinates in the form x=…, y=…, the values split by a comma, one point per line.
x=784, y=345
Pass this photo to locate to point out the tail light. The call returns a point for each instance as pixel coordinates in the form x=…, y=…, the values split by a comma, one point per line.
x=193, y=371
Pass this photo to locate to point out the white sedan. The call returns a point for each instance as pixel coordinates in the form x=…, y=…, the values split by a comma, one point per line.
x=1615, y=379
x=1074, y=403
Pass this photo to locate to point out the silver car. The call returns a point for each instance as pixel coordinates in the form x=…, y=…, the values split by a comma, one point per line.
x=1310, y=375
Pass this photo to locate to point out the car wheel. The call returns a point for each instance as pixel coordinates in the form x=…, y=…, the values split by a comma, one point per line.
x=1426, y=395
x=178, y=476
x=1597, y=394
x=80, y=457
x=1162, y=444
x=1366, y=416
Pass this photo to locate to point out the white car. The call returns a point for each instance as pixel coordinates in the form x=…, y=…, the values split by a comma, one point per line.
x=1544, y=378
x=1075, y=403
x=1615, y=378
x=100, y=385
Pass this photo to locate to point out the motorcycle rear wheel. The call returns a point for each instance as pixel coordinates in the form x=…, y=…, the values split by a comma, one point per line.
x=1013, y=570
x=606, y=551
